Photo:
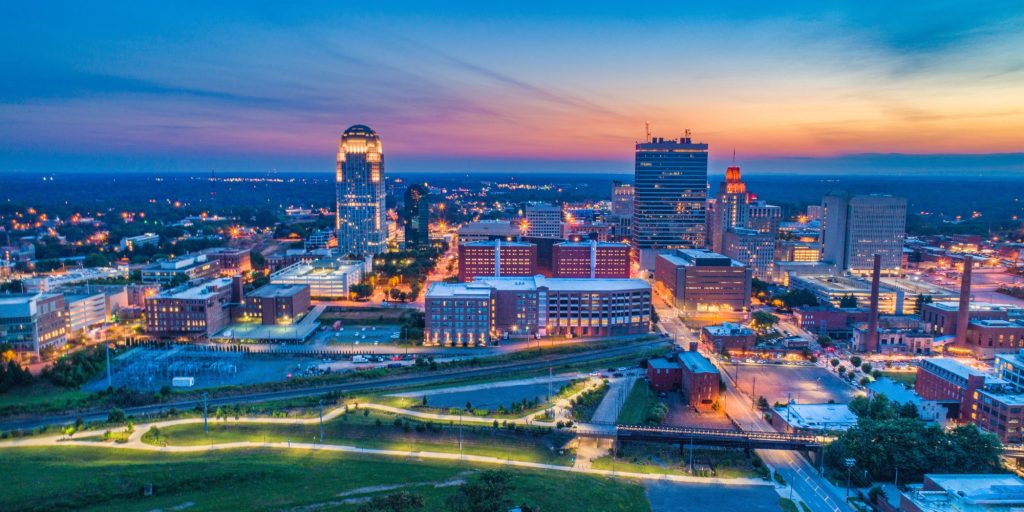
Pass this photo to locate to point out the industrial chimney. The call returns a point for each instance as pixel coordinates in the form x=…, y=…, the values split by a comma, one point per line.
x=963, y=314
x=876, y=276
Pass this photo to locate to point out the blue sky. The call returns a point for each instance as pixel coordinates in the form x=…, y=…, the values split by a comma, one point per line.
x=796, y=87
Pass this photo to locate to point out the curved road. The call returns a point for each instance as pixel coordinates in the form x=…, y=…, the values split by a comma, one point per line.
x=344, y=387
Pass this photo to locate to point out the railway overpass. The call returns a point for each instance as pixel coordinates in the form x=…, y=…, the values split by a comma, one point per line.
x=704, y=436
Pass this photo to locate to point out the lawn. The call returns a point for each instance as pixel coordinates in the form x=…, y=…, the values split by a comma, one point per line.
x=41, y=396
x=85, y=478
x=654, y=458
x=639, y=402
x=360, y=429
x=906, y=378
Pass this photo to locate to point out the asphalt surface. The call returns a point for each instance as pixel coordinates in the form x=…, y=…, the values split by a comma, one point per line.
x=344, y=387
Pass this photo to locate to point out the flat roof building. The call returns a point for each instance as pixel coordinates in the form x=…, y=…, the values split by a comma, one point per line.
x=965, y=493
x=813, y=418
x=186, y=268
x=543, y=221
x=193, y=312
x=591, y=259
x=277, y=304
x=698, y=282
x=496, y=258
x=326, y=278
x=856, y=227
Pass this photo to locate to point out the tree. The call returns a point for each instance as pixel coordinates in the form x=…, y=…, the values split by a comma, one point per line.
x=921, y=300
x=915, y=448
x=116, y=416
x=848, y=301
x=395, y=502
x=762, y=403
x=361, y=290
x=866, y=368
x=855, y=361
x=825, y=341
x=486, y=492
x=762, y=321
x=95, y=260
x=834, y=362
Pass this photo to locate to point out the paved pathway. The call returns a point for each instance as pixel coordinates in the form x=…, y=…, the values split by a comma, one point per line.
x=135, y=443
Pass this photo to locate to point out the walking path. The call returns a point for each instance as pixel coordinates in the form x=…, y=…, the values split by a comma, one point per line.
x=134, y=442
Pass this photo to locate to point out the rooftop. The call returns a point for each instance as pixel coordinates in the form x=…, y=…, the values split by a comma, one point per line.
x=975, y=306
x=591, y=243
x=277, y=290
x=458, y=291
x=202, y=291
x=728, y=329
x=563, y=284
x=492, y=243
x=894, y=391
x=698, y=257
x=663, y=364
x=959, y=369
x=998, y=489
x=696, y=363
x=819, y=416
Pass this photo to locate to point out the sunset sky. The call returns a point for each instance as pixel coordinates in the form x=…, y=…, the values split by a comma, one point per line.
x=486, y=86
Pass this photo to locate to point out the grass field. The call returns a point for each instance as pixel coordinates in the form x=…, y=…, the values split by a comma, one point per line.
x=42, y=395
x=357, y=429
x=634, y=411
x=83, y=478
x=666, y=459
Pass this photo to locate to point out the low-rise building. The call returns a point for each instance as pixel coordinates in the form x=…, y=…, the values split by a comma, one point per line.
x=813, y=418
x=728, y=338
x=130, y=243
x=191, y=311
x=894, y=340
x=86, y=310
x=275, y=304
x=986, y=338
x=700, y=381
x=591, y=259
x=232, y=261
x=965, y=493
x=458, y=314
x=33, y=322
x=828, y=320
x=699, y=282
x=664, y=375
x=187, y=268
x=496, y=258
x=927, y=410
x=327, y=279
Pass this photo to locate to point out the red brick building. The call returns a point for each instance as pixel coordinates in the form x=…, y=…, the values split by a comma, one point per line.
x=496, y=258
x=664, y=375
x=277, y=303
x=986, y=338
x=232, y=261
x=191, y=312
x=702, y=282
x=946, y=379
x=590, y=259
x=835, y=322
x=700, y=380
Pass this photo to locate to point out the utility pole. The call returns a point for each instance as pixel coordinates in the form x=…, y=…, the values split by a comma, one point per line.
x=460, y=433
x=206, y=423
x=753, y=391
x=850, y=461
x=321, y=403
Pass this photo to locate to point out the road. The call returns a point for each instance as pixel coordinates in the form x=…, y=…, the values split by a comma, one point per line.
x=345, y=387
x=813, y=489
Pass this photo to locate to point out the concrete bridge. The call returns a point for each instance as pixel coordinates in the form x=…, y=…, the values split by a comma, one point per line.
x=703, y=436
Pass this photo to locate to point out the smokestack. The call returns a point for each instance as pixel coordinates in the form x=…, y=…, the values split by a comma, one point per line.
x=876, y=275
x=963, y=314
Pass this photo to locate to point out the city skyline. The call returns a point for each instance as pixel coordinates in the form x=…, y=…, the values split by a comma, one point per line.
x=807, y=88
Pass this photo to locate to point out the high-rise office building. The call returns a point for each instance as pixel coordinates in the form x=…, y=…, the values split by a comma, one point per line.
x=671, y=189
x=416, y=216
x=764, y=217
x=752, y=248
x=728, y=209
x=361, y=222
x=544, y=221
x=622, y=198
x=856, y=227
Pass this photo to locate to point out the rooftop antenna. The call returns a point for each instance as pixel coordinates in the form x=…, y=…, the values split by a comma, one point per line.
x=734, y=156
x=687, y=133
x=647, y=129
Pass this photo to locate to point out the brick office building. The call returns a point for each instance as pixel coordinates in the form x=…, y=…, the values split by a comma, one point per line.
x=700, y=380
x=591, y=259
x=191, y=311
x=664, y=375
x=699, y=281
x=277, y=303
x=490, y=258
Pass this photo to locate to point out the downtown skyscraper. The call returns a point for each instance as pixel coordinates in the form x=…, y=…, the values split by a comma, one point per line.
x=856, y=227
x=669, y=204
x=361, y=222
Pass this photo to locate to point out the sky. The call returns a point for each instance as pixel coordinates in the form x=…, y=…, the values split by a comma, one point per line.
x=822, y=87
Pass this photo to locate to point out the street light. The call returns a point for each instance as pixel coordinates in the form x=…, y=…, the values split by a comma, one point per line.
x=850, y=462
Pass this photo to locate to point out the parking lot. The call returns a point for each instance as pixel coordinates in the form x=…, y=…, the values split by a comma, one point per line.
x=805, y=384
x=360, y=335
x=675, y=496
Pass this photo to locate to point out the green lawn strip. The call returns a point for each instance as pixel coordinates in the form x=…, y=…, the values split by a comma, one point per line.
x=358, y=429
x=639, y=402
x=787, y=505
x=662, y=459
x=85, y=478
x=906, y=378
x=40, y=395
x=584, y=406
